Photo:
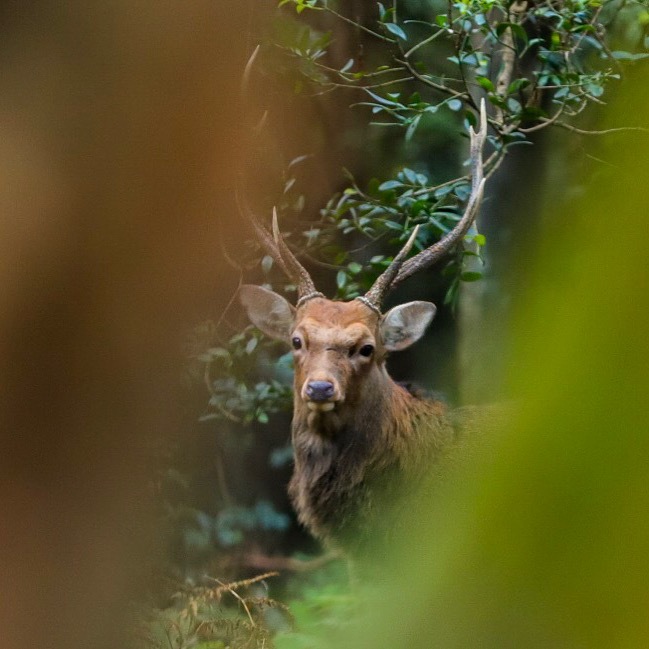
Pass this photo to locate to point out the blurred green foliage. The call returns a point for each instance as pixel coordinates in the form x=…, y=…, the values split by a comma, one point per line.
x=539, y=65
x=543, y=541
x=227, y=370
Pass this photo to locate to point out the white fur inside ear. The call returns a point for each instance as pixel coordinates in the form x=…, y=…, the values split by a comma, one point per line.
x=268, y=311
x=405, y=324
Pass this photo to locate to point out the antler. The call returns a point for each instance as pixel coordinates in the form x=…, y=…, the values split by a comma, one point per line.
x=400, y=269
x=276, y=247
x=273, y=243
x=381, y=286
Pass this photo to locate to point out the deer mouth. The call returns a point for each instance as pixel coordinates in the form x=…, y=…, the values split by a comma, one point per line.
x=320, y=406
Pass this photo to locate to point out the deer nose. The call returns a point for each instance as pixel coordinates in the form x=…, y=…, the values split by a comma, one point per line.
x=319, y=390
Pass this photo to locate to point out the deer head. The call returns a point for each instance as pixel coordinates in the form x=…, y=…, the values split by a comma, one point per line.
x=340, y=347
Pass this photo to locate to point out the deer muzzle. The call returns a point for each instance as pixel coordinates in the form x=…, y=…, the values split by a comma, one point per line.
x=320, y=395
x=319, y=391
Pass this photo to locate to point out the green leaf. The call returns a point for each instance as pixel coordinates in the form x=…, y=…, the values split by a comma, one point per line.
x=622, y=56
x=341, y=279
x=516, y=29
x=211, y=644
x=517, y=84
x=382, y=100
x=250, y=346
x=452, y=293
x=373, y=186
x=462, y=191
x=266, y=264
x=393, y=28
x=443, y=191
x=410, y=175
x=412, y=127
x=470, y=118
x=354, y=268
x=415, y=98
x=454, y=104
x=390, y=184
x=594, y=89
x=470, y=276
x=485, y=83
x=532, y=113
x=513, y=105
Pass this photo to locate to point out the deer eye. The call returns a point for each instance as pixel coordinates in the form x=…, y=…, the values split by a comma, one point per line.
x=296, y=342
x=366, y=350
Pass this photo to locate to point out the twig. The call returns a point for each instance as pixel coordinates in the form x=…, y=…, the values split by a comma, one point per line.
x=606, y=131
x=321, y=264
x=230, y=301
x=388, y=83
x=264, y=562
x=245, y=582
x=544, y=122
x=232, y=586
x=426, y=41
x=591, y=22
x=359, y=26
x=425, y=80
x=243, y=601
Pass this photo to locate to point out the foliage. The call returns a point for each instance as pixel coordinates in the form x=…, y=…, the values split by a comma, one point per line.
x=232, y=522
x=544, y=542
x=216, y=617
x=320, y=614
x=243, y=614
x=227, y=369
x=539, y=65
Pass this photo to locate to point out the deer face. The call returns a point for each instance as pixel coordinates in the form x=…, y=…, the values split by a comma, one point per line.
x=336, y=345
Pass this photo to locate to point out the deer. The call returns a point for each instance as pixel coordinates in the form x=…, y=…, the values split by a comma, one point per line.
x=361, y=441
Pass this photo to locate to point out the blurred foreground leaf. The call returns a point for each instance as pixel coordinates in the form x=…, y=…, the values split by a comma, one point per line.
x=544, y=540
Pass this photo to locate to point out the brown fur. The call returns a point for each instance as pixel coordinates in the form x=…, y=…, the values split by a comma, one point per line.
x=362, y=442
x=351, y=463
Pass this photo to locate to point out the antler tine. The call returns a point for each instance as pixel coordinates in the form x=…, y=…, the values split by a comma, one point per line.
x=374, y=296
x=298, y=274
x=400, y=269
x=262, y=233
x=430, y=255
x=279, y=251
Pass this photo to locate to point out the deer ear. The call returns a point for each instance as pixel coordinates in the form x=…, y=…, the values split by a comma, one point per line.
x=268, y=311
x=404, y=325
